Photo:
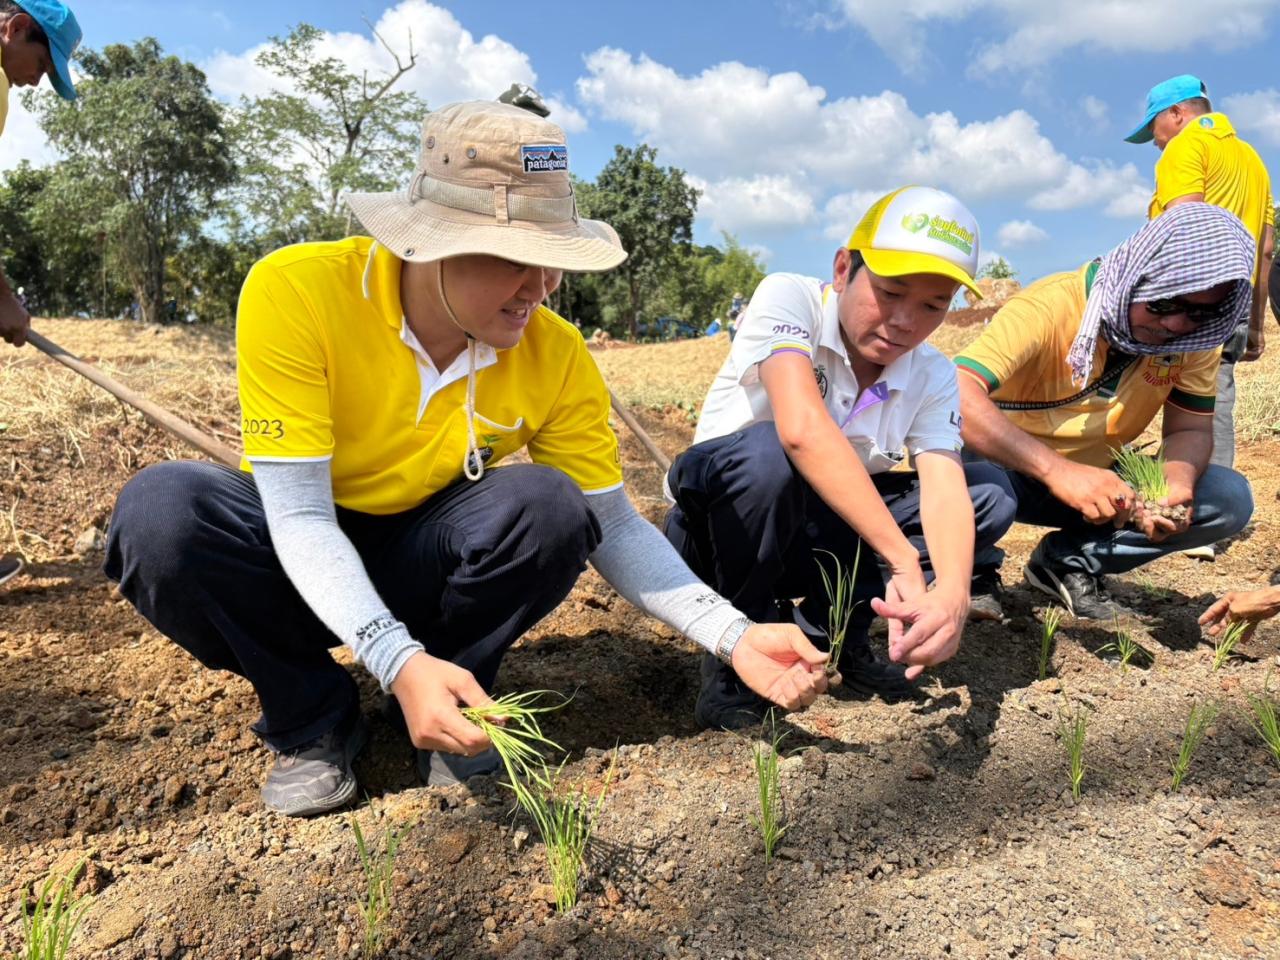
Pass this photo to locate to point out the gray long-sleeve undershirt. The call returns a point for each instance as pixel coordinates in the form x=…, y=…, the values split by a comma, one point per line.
x=636, y=560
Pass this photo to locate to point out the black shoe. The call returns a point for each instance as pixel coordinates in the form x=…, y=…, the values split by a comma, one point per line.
x=10, y=567
x=986, y=594
x=1084, y=595
x=724, y=701
x=863, y=672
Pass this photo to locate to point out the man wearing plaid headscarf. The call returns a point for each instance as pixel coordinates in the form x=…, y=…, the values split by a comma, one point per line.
x=1078, y=365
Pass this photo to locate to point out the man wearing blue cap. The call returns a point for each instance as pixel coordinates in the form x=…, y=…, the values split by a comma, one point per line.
x=36, y=37
x=1202, y=158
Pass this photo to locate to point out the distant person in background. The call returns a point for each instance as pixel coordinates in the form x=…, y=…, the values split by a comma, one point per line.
x=37, y=37
x=1202, y=159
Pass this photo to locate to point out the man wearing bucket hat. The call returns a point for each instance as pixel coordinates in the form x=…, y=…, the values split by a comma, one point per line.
x=37, y=37
x=381, y=382
x=1202, y=159
x=827, y=388
x=1077, y=365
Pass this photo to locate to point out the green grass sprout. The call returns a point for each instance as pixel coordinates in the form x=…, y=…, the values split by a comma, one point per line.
x=1198, y=721
x=511, y=724
x=1071, y=731
x=1052, y=619
x=1266, y=718
x=769, y=791
x=379, y=888
x=1225, y=646
x=47, y=928
x=565, y=819
x=839, y=590
x=1144, y=474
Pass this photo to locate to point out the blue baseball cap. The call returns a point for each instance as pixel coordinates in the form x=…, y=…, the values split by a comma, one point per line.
x=60, y=26
x=1162, y=97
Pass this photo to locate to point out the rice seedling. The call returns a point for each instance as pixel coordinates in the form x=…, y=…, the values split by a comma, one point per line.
x=769, y=791
x=565, y=819
x=1146, y=476
x=1266, y=718
x=1224, y=647
x=378, y=902
x=1192, y=736
x=1052, y=619
x=1071, y=731
x=1152, y=589
x=47, y=928
x=511, y=724
x=1126, y=648
x=839, y=590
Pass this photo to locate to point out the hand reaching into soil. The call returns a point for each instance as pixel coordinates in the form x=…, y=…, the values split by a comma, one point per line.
x=777, y=661
x=429, y=691
x=1099, y=495
x=14, y=319
x=936, y=622
x=1248, y=605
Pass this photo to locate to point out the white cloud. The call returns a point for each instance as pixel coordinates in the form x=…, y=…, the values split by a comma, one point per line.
x=760, y=203
x=1024, y=34
x=1256, y=113
x=23, y=139
x=1020, y=233
x=1122, y=191
x=843, y=211
x=1096, y=110
x=452, y=64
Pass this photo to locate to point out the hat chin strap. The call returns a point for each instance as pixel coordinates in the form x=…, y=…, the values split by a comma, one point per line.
x=472, y=465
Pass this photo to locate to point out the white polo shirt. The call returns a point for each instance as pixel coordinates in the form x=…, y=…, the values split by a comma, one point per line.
x=912, y=408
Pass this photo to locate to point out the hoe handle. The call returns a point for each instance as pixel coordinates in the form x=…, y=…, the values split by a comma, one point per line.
x=161, y=417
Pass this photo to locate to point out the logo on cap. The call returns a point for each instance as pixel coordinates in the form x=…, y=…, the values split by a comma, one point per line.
x=948, y=231
x=545, y=158
x=915, y=222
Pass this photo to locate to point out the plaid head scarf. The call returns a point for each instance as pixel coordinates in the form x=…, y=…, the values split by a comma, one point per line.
x=1190, y=248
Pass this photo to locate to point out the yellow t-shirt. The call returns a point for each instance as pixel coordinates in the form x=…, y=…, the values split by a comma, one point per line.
x=1022, y=356
x=4, y=98
x=1207, y=157
x=323, y=373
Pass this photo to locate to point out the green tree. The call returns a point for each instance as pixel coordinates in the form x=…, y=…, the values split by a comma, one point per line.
x=652, y=208
x=146, y=155
x=998, y=269
x=699, y=286
x=336, y=130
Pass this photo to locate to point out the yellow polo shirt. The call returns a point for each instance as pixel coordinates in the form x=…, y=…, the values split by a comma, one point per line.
x=1022, y=356
x=324, y=374
x=4, y=98
x=1207, y=157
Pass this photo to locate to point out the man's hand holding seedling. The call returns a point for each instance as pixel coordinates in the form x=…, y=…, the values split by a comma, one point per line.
x=933, y=621
x=1248, y=606
x=429, y=690
x=1099, y=495
x=1160, y=520
x=777, y=661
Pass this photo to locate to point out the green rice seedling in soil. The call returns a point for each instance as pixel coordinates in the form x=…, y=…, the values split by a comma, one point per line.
x=1192, y=736
x=1071, y=731
x=1266, y=719
x=1146, y=476
x=511, y=724
x=565, y=819
x=839, y=590
x=378, y=902
x=1126, y=648
x=1152, y=589
x=1225, y=647
x=769, y=791
x=1052, y=618
x=48, y=926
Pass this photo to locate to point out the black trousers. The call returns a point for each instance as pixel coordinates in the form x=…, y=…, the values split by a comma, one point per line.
x=467, y=571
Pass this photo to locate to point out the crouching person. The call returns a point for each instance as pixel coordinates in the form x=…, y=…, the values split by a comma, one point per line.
x=825, y=387
x=1078, y=364
x=381, y=381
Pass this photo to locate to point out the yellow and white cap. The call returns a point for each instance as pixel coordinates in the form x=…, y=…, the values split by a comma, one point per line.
x=919, y=230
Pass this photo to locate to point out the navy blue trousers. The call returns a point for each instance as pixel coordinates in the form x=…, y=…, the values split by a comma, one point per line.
x=748, y=524
x=467, y=571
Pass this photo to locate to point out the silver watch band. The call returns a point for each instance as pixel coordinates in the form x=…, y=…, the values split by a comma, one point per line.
x=729, y=639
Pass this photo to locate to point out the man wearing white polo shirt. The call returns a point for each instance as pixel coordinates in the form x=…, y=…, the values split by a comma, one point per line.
x=827, y=388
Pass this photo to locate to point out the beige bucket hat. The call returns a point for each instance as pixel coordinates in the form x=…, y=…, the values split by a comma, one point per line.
x=493, y=179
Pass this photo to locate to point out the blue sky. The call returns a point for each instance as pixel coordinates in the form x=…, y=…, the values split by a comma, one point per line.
x=793, y=115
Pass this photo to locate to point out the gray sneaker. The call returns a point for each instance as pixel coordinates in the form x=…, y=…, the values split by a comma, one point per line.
x=437, y=769
x=317, y=777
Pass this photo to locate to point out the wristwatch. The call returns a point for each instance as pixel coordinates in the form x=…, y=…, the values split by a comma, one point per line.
x=729, y=639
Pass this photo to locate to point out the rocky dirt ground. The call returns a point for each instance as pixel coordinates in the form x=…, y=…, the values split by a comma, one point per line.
x=939, y=827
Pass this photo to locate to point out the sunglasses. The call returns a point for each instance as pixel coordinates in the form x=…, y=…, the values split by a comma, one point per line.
x=1195, y=312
